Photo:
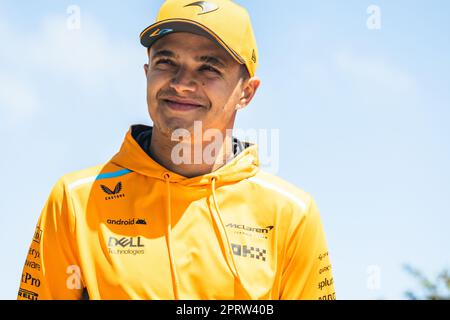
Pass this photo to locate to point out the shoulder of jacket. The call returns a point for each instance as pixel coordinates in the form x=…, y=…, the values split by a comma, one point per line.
x=280, y=188
x=86, y=177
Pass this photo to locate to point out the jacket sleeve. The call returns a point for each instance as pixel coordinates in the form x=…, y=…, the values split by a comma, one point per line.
x=51, y=268
x=307, y=271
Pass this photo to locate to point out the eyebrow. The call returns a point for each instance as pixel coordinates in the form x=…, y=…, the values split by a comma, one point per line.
x=163, y=53
x=213, y=60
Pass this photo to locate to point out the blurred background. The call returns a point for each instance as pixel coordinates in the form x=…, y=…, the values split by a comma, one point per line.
x=359, y=91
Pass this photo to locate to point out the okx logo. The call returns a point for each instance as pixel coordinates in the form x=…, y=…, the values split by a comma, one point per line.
x=126, y=245
x=113, y=194
x=249, y=252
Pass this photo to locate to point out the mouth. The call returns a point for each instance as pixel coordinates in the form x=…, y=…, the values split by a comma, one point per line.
x=181, y=105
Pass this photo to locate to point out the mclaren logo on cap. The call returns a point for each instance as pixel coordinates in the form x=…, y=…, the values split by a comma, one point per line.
x=206, y=6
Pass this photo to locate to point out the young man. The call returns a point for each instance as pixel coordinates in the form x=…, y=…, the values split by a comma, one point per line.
x=159, y=222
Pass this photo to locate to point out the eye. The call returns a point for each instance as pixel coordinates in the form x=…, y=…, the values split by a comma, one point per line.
x=164, y=61
x=210, y=68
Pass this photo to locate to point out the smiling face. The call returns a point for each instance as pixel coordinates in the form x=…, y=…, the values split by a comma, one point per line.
x=191, y=78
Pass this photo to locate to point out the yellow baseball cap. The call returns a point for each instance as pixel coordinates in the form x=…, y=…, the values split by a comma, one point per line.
x=222, y=21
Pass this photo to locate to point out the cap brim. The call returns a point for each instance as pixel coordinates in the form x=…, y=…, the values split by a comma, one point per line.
x=160, y=29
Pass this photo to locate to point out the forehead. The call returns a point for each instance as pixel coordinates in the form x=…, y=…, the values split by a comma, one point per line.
x=188, y=43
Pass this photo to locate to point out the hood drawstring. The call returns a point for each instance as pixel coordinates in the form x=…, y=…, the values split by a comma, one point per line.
x=217, y=219
x=173, y=267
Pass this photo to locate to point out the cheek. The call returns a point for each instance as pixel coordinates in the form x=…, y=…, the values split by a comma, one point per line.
x=229, y=100
x=218, y=93
x=154, y=84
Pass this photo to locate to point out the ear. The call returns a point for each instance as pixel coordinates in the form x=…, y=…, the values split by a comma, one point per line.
x=250, y=87
x=146, y=69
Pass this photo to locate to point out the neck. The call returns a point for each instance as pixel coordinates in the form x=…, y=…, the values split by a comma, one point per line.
x=191, y=157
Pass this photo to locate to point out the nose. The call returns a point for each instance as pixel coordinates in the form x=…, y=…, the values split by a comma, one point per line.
x=184, y=81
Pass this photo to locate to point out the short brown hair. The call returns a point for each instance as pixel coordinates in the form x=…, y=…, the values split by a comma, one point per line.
x=244, y=73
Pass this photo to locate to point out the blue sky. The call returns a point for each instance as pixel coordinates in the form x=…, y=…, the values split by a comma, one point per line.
x=363, y=118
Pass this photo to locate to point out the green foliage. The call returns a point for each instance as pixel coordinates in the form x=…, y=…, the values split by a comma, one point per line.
x=439, y=289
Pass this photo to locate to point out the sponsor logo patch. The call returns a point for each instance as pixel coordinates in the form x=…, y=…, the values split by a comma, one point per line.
x=37, y=235
x=126, y=245
x=249, y=252
x=113, y=194
x=254, y=232
x=26, y=294
x=33, y=265
x=27, y=278
x=126, y=222
x=206, y=6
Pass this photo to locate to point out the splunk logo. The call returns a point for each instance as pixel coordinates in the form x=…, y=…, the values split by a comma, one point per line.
x=325, y=283
x=126, y=245
x=249, y=252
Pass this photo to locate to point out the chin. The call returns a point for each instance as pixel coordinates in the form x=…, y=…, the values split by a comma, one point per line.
x=169, y=126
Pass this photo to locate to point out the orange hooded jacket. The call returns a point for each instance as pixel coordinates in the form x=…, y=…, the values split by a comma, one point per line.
x=131, y=229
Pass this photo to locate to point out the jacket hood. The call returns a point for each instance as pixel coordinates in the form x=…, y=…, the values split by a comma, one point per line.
x=134, y=156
